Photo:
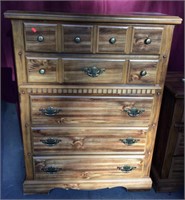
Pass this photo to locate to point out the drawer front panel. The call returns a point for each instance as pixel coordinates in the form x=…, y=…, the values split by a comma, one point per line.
x=91, y=111
x=40, y=37
x=177, y=168
x=111, y=39
x=77, y=38
x=147, y=40
x=83, y=140
x=93, y=70
x=88, y=167
x=42, y=69
x=142, y=72
x=179, y=150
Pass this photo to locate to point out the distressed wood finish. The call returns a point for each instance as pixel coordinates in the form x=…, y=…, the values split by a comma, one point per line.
x=47, y=31
x=142, y=72
x=141, y=34
x=118, y=34
x=75, y=70
x=88, y=167
x=82, y=33
x=106, y=140
x=97, y=111
x=35, y=67
x=90, y=95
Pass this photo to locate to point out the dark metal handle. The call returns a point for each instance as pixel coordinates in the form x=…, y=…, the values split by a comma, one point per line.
x=129, y=141
x=50, y=170
x=77, y=39
x=50, y=111
x=40, y=38
x=143, y=73
x=126, y=168
x=93, y=71
x=112, y=40
x=42, y=71
x=147, y=41
x=134, y=112
x=51, y=141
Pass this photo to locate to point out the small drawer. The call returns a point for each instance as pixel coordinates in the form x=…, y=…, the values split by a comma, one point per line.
x=88, y=140
x=88, y=167
x=44, y=70
x=142, y=72
x=77, y=38
x=77, y=70
x=91, y=110
x=147, y=40
x=112, y=39
x=40, y=37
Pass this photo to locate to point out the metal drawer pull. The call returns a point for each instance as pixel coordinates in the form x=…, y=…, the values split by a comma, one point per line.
x=50, y=170
x=143, y=73
x=50, y=111
x=126, y=168
x=129, y=141
x=93, y=71
x=40, y=38
x=147, y=41
x=77, y=39
x=112, y=40
x=134, y=112
x=51, y=141
x=42, y=71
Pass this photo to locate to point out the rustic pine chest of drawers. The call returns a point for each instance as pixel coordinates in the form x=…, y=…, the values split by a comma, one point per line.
x=90, y=91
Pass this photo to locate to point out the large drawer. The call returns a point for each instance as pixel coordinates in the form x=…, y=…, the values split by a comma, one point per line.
x=91, y=110
x=88, y=167
x=88, y=140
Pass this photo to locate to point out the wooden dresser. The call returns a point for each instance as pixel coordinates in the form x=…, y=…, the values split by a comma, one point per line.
x=168, y=160
x=90, y=91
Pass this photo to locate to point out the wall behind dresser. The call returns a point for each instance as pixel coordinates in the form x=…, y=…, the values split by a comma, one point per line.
x=176, y=62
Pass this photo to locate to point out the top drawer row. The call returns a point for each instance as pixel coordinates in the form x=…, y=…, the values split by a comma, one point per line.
x=42, y=37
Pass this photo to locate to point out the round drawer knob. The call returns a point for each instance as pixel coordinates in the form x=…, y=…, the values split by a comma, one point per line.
x=42, y=71
x=143, y=73
x=40, y=38
x=112, y=40
x=147, y=41
x=77, y=39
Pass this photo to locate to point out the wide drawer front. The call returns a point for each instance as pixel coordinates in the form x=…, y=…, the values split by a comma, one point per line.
x=47, y=69
x=66, y=140
x=91, y=110
x=88, y=167
x=83, y=38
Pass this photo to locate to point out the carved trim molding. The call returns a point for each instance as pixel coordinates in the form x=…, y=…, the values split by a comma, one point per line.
x=97, y=91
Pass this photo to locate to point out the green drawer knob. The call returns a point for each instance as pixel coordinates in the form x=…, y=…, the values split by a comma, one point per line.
x=112, y=40
x=42, y=71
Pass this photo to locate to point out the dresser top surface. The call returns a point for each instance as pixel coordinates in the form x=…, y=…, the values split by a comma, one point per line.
x=137, y=17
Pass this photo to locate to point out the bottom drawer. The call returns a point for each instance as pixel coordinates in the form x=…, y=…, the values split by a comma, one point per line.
x=88, y=167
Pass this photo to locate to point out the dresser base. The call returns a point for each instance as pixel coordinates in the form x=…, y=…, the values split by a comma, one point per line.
x=41, y=186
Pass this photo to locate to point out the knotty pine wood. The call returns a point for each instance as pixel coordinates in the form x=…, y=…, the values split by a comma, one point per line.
x=102, y=140
x=91, y=121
